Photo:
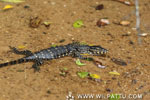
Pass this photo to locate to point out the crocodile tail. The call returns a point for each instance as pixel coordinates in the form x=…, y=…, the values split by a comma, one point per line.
x=22, y=60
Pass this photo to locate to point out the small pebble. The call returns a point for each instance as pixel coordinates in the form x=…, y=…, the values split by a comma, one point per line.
x=108, y=90
x=44, y=33
x=53, y=3
x=143, y=34
x=65, y=5
x=125, y=23
x=131, y=42
x=126, y=34
x=26, y=6
x=99, y=7
x=49, y=92
x=45, y=2
x=134, y=81
x=119, y=61
x=99, y=64
x=63, y=40
x=102, y=22
x=141, y=87
x=113, y=78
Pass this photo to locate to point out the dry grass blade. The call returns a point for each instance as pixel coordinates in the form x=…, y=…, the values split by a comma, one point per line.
x=13, y=1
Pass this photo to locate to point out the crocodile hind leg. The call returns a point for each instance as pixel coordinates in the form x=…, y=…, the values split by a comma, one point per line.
x=24, y=52
x=37, y=65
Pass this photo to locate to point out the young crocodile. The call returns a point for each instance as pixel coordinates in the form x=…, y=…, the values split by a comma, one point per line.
x=73, y=49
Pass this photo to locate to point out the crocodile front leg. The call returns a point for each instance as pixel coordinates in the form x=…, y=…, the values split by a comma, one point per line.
x=37, y=65
x=78, y=55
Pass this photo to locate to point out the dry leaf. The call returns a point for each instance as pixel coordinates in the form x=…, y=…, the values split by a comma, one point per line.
x=21, y=47
x=95, y=76
x=114, y=73
x=8, y=7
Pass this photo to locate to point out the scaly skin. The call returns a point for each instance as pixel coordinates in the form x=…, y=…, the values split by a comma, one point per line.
x=74, y=50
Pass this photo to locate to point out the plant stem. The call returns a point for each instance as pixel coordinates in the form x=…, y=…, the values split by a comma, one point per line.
x=138, y=21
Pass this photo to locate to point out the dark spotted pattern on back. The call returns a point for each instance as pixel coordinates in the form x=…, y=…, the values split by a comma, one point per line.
x=73, y=49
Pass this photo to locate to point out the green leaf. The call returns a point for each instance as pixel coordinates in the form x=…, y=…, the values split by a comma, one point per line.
x=78, y=24
x=65, y=69
x=83, y=74
x=83, y=43
x=53, y=45
x=79, y=63
x=114, y=97
x=13, y=1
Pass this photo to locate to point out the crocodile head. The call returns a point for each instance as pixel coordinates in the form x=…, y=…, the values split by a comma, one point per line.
x=97, y=50
x=92, y=50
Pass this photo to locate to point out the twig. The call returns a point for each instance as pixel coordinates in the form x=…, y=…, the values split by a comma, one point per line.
x=25, y=74
x=138, y=21
x=125, y=2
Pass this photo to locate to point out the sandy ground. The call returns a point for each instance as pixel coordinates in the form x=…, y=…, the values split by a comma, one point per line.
x=19, y=82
